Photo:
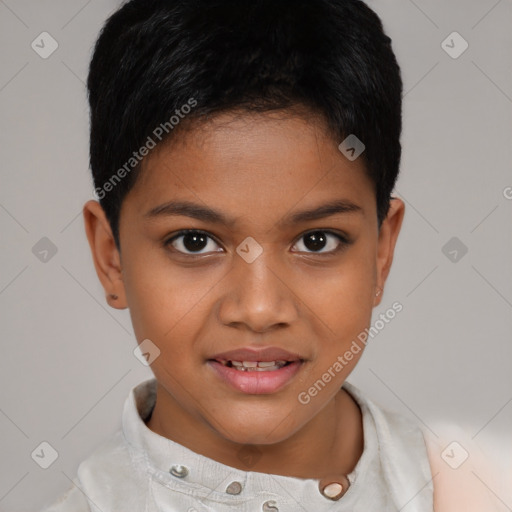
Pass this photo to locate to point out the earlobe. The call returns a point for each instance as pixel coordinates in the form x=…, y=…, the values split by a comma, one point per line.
x=376, y=299
x=388, y=236
x=106, y=258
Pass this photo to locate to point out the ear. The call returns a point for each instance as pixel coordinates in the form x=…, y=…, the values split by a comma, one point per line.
x=388, y=235
x=105, y=255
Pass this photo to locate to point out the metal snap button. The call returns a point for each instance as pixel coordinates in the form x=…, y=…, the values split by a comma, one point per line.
x=332, y=491
x=179, y=471
x=333, y=488
x=269, y=506
x=234, y=488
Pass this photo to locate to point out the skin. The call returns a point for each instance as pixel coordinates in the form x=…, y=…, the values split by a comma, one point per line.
x=258, y=169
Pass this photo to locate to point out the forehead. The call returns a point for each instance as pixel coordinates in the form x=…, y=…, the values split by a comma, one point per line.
x=255, y=162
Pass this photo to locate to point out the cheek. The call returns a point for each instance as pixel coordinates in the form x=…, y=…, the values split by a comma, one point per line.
x=342, y=298
x=342, y=304
x=164, y=298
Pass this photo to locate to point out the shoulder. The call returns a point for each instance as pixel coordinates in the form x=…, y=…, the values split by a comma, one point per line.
x=109, y=467
x=454, y=467
x=465, y=478
x=401, y=453
x=73, y=500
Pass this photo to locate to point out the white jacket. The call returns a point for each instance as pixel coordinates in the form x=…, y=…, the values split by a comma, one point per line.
x=133, y=472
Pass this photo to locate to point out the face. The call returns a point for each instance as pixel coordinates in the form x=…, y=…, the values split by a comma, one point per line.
x=251, y=238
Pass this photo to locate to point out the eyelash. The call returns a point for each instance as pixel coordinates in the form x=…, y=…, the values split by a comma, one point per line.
x=344, y=241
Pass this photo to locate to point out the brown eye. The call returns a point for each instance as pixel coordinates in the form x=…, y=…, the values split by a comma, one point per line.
x=316, y=241
x=192, y=242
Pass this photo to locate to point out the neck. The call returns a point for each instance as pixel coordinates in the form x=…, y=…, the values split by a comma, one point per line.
x=331, y=443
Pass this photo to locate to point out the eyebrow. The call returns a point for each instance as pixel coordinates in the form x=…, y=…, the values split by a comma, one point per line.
x=206, y=214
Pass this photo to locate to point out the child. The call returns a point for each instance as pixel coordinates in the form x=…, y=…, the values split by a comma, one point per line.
x=244, y=154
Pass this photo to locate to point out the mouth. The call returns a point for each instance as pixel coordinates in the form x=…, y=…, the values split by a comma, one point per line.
x=261, y=371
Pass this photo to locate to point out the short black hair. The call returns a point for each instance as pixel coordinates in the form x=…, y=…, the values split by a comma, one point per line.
x=161, y=63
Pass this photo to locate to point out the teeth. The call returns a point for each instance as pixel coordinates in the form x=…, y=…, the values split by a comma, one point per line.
x=258, y=366
x=266, y=364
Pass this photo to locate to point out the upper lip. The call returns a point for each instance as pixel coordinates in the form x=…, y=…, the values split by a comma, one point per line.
x=257, y=354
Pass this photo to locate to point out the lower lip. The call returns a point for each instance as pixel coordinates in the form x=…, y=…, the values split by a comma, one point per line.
x=255, y=382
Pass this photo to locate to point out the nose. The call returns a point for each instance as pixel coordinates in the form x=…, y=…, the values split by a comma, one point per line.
x=258, y=296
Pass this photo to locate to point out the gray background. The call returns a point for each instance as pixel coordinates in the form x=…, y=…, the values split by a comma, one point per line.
x=67, y=363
